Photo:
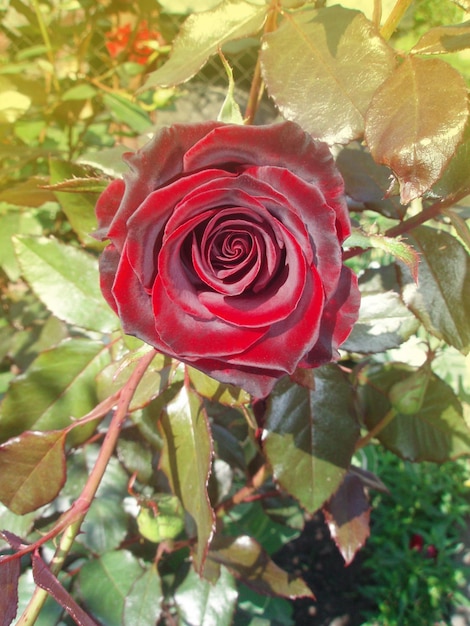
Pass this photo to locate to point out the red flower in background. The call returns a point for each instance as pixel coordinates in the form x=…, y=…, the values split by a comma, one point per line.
x=122, y=39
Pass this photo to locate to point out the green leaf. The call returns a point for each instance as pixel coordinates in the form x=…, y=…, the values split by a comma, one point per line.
x=211, y=389
x=161, y=519
x=186, y=460
x=58, y=386
x=435, y=432
x=105, y=583
x=66, y=280
x=347, y=516
x=384, y=323
x=143, y=602
x=415, y=122
x=230, y=112
x=444, y=39
x=393, y=246
x=455, y=181
x=441, y=299
x=14, y=223
x=153, y=382
x=310, y=436
x=32, y=467
x=202, y=34
x=79, y=207
x=322, y=67
x=246, y=559
x=200, y=602
x=19, y=524
x=27, y=193
x=128, y=112
x=105, y=526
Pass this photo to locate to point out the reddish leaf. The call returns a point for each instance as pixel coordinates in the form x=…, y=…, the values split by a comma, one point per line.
x=32, y=467
x=443, y=39
x=415, y=122
x=9, y=574
x=322, y=67
x=44, y=578
x=186, y=460
x=247, y=560
x=347, y=515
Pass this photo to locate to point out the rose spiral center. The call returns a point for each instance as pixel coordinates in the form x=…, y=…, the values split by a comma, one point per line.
x=234, y=251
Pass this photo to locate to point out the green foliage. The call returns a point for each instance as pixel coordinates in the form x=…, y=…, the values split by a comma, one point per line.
x=165, y=494
x=414, y=554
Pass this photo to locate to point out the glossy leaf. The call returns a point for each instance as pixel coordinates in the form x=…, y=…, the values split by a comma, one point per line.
x=66, y=281
x=310, y=436
x=186, y=460
x=9, y=575
x=200, y=602
x=106, y=525
x=436, y=432
x=441, y=299
x=44, y=578
x=105, y=584
x=51, y=612
x=384, y=322
x=79, y=207
x=246, y=559
x=367, y=182
x=322, y=67
x=142, y=604
x=32, y=467
x=20, y=524
x=127, y=111
x=347, y=516
x=58, y=385
x=14, y=223
x=202, y=34
x=415, y=122
x=444, y=39
x=455, y=181
x=154, y=381
x=210, y=388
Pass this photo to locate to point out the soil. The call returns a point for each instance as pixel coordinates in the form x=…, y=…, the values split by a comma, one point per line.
x=315, y=557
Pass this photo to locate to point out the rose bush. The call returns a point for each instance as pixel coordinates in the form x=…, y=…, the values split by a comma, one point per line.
x=225, y=250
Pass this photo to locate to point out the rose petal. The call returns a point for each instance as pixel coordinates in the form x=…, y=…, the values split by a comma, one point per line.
x=107, y=207
x=276, y=302
x=190, y=337
x=286, y=343
x=145, y=227
x=154, y=165
x=339, y=316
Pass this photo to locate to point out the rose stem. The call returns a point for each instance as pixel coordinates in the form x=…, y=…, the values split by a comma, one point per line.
x=407, y=225
x=394, y=18
x=257, y=84
x=83, y=503
x=385, y=421
x=245, y=492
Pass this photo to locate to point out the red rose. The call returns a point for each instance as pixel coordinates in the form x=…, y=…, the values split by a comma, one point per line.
x=226, y=250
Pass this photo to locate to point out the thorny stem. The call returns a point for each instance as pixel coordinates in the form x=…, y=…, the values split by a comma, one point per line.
x=385, y=421
x=246, y=492
x=74, y=517
x=407, y=225
x=257, y=84
x=394, y=18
